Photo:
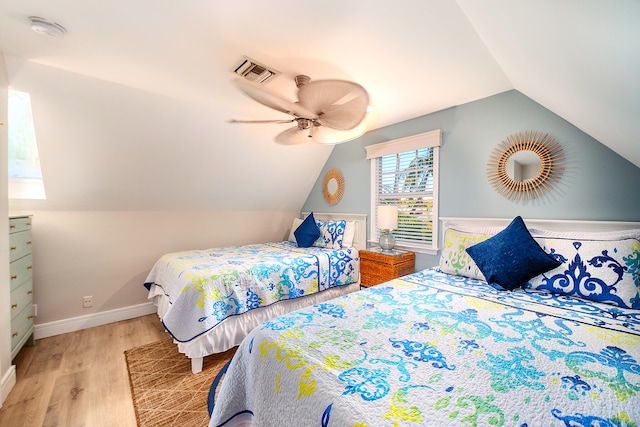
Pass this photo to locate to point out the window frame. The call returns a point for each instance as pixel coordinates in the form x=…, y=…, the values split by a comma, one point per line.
x=431, y=139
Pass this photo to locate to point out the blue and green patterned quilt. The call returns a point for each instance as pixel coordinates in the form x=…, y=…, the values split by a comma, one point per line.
x=206, y=286
x=438, y=350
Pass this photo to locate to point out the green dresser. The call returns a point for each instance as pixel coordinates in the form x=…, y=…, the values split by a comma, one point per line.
x=21, y=282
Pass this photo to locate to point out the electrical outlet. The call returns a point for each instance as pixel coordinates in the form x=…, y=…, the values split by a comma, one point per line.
x=35, y=309
x=87, y=301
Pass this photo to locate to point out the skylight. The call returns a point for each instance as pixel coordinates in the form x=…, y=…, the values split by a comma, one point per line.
x=25, y=175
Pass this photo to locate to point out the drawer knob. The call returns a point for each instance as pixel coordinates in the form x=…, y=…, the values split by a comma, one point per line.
x=29, y=292
x=15, y=334
x=28, y=243
x=14, y=277
x=29, y=268
x=12, y=226
x=13, y=248
x=30, y=317
x=14, y=305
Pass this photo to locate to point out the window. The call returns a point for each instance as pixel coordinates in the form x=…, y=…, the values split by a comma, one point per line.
x=404, y=173
x=25, y=176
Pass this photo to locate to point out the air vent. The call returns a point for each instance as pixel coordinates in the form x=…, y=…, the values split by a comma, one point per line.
x=254, y=71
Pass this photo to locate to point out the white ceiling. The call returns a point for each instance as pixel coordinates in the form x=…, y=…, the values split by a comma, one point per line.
x=578, y=58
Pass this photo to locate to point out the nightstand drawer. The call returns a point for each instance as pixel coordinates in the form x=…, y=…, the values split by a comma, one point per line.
x=377, y=267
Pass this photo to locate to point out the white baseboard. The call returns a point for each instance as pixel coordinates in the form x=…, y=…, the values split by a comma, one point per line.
x=73, y=324
x=8, y=381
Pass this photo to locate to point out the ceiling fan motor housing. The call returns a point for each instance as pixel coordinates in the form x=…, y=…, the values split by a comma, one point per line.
x=327, y=111
x=301, y=80
x=304, y=124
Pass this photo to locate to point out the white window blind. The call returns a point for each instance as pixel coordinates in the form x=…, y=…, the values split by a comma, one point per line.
x=405, y=174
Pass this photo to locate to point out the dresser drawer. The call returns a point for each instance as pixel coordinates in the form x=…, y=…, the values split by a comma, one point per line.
x=20, y=271
x=19, y=223
x=19, y=245
x=21, y=298
x=21, y=328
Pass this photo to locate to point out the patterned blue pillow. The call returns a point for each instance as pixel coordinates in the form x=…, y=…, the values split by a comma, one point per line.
x=511, y=257
x=307, y=232
x=606, y=271
x=331, y=234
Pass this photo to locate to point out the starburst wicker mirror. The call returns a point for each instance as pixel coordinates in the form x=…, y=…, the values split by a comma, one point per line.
x=525, y=165
x=333, y=186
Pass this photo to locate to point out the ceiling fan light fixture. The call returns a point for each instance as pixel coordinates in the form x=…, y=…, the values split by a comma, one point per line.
x=326, y=112
x=47, y=28
x=304, y=124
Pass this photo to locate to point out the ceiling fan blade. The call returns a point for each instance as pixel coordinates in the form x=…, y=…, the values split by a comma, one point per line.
x=339, y=104
x=293, y=136
x=327, y=135
x=262, y=121
x=272, y=100
x=346, y=116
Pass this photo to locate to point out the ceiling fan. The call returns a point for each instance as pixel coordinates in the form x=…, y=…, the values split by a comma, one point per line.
x=327, y=111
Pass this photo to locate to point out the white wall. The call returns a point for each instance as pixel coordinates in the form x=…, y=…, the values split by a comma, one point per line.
x=108, y=254
x=108, y=147
x=119, y=166
x=7, y=373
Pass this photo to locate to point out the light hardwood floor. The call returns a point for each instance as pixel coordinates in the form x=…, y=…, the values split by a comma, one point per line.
x=78, y=379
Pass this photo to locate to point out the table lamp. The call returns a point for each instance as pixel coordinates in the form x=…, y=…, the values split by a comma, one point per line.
x=387, y=221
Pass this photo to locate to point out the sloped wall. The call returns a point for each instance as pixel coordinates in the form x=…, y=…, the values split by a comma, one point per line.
x=130, y=175
x=598, y=184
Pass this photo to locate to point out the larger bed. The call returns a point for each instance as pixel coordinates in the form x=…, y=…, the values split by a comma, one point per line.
x=210, y=299
x=447, y=346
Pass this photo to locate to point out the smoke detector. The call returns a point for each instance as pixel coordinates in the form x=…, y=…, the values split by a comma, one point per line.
x=47, y=28
x=254, y=71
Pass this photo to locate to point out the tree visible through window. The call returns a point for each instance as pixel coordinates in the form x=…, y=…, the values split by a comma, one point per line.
x=405, y=173
x=406, y=180
x=25, y=175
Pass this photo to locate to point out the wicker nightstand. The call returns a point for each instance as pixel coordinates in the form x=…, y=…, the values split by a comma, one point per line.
x=377, y=266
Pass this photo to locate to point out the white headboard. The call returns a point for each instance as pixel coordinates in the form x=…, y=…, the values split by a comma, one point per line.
x=548, y=224
x=360, y=238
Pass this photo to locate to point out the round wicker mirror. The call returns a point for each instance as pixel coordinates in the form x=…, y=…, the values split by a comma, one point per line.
x=333, y=186
x=525, y=165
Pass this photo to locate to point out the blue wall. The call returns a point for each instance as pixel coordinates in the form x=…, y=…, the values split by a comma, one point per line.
x=598, y=184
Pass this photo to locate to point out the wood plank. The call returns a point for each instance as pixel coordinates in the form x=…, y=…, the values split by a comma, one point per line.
x=27, y=403
x=68, y=404
x=78, y=379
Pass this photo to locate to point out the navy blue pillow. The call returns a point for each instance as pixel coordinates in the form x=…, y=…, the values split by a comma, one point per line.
x=307, y=232
x=511, y=257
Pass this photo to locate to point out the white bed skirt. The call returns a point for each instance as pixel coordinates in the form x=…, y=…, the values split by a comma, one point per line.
x=231, y=331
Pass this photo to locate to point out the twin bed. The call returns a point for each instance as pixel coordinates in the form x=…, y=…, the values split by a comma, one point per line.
x=450, y=345
x=209, y=300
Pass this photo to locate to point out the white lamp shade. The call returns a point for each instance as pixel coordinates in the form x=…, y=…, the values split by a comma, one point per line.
x=387, y=217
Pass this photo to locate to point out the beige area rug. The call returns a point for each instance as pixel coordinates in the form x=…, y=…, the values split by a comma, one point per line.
x=165, y=392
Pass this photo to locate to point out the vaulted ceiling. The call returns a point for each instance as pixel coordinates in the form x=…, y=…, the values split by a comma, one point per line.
x=158, y=75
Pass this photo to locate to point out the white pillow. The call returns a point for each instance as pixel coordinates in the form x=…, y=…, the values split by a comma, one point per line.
x=349, y=234
x=294, y=226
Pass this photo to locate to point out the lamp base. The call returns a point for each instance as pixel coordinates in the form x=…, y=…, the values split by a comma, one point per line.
x=387, y=241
